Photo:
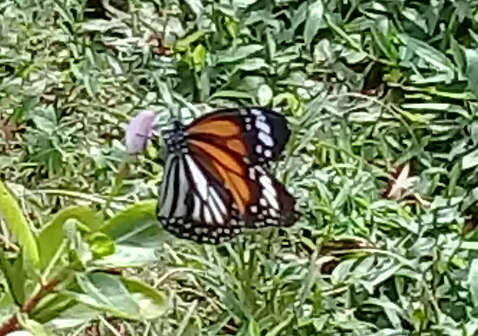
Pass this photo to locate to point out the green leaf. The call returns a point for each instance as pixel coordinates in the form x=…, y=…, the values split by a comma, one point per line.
x=472, y=70
x=15, y=276
x=314, y=21
x=199, y=56
x=236, y=54
x=185, y=43
x=75, y=316
x=37, y=329
x=17, y=223
x=52, y=235
x=242, y=3
x=254, y=329
x=151, y=302
x=101, y=244
x=428, y=54
x=196, y=6
x=264, y=94
x=136, y=233
x=106, y=293
x=470, y=160
x=459, y=55
x=473, y=282
x=45, y=119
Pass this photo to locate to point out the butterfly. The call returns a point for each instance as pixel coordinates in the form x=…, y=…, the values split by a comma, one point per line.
x=215, y=183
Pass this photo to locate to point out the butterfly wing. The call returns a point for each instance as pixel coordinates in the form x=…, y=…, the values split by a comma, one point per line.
x=218, y=186
x=194, y=204
x=257, y=134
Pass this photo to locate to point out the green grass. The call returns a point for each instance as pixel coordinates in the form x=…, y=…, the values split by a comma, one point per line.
x=367, y=86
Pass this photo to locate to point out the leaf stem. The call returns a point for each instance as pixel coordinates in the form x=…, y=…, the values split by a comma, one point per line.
x=12, y=323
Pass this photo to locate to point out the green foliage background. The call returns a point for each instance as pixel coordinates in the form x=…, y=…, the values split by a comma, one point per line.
x=366, y=85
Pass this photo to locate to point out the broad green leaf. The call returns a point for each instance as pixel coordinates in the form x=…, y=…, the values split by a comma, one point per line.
x=45, y=119
x=151, y=302
x=73, y=317
x=17, y=223
x=136, y=225
x=383, y=38
x=430, y=55
x=314, y=21
x=52, y=234
x=106, y=293
x=136, y=233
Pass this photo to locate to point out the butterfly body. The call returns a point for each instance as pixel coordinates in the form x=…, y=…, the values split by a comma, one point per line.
x=214, y=181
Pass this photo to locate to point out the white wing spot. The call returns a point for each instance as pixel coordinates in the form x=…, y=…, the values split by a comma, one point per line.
x=256, y=112
x=259, y=149
x=266, y=139
x=263, y=126
x=252, y=174
x=268, y=153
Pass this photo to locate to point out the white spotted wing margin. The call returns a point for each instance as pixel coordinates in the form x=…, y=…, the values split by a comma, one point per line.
x=272, y=204
x=194, y=205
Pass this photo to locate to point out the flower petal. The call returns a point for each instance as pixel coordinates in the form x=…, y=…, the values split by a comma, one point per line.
x=139, y=131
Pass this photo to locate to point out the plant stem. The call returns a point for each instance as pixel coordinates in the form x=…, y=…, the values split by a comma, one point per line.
x=12, y=323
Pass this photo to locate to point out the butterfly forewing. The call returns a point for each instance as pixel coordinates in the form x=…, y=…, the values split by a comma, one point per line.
x=257, y=134
x=214, y=183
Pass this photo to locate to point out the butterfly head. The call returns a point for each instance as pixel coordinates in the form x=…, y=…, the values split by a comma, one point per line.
x=175, y=138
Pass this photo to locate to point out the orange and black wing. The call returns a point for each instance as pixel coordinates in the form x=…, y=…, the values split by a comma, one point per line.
x=258, y=135
x=218, y=186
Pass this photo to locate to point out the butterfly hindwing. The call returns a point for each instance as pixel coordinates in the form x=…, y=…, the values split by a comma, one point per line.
x=272, y=204
x=199, y=208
